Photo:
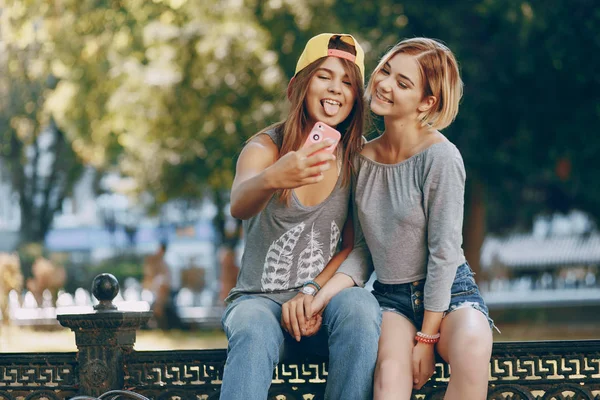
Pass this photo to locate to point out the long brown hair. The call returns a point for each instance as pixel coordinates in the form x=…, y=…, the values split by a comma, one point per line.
x=294, y=128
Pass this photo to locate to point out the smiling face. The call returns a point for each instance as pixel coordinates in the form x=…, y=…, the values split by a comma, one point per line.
x=396, y=89
x=330, y=96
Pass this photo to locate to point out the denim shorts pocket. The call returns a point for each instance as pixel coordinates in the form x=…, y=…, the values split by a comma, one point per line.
x=463, y=292
x=464, y=284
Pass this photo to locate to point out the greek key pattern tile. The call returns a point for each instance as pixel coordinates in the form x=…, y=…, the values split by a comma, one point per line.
x=551, y=376
x=525, y=371
x=300, y=373
x=33, y=370
x=174, y=374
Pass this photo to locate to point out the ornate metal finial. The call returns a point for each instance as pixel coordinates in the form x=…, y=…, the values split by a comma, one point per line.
x=105, y=288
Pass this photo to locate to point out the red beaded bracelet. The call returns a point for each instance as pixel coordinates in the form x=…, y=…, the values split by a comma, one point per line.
x=427, y=339
x=427, y=336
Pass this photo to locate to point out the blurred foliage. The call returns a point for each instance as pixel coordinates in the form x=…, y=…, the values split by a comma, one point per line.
x=531, y=90
x=35, y=156
x=28, y=253
x=531, y=94
x=81, y=274
x=122, y=267
x=168, y=90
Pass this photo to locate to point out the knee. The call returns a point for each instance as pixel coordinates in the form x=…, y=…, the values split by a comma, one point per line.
x=353, y=317
x=357, y=305
x=254, y=330
x=472, y=349
x=477, y=344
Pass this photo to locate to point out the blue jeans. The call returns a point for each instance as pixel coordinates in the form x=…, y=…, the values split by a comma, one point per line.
x=349, y=334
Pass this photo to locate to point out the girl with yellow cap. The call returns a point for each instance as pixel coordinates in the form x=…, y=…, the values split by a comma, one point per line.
x=291, y=291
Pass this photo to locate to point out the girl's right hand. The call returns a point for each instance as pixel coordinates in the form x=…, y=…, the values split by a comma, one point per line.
x=300, y=168
x=423, y=364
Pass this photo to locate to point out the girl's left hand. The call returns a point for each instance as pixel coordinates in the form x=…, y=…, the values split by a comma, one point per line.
x=295, y=315
x=423, y=364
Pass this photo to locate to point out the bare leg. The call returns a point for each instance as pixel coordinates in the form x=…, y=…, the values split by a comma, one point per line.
x=393, y=373
x=466, y=344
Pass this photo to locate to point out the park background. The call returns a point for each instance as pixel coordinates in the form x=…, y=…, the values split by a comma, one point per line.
x=121, y=121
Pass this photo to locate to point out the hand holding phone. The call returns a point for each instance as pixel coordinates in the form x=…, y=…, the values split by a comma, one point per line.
x=320, y=132
x=305, y=166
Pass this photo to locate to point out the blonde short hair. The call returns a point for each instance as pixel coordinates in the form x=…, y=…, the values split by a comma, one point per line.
x=440, y=76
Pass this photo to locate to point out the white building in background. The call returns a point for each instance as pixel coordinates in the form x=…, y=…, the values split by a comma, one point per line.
x=557, y=264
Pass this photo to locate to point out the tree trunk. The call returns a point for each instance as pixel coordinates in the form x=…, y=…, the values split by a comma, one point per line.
x=41, y=195
x=474, y=228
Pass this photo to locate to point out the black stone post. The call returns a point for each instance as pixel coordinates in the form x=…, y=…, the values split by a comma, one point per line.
x=102, y=338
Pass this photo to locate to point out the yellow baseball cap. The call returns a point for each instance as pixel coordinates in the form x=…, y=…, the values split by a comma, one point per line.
x=318, y=47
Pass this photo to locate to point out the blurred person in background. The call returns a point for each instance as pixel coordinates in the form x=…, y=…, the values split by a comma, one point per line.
x=157, y=279
x=46, y=276
x=294, y=203
x=409, y=198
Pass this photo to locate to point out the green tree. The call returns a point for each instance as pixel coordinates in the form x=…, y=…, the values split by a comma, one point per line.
x=35, y=152
x=166, y=90
x=531, y=97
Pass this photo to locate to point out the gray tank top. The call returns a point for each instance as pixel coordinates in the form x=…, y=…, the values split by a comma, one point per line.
x=286, y=246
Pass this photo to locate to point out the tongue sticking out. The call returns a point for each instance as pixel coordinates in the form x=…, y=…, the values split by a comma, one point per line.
x=330, y=109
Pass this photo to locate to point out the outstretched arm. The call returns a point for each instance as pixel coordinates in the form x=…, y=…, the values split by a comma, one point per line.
x=260, y=172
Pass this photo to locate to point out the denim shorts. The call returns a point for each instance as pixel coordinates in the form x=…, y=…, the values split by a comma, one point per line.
x=406, y=299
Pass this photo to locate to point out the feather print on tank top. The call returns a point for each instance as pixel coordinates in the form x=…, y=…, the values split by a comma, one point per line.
x=334, y=239
x=279, y=259
x=310, y=261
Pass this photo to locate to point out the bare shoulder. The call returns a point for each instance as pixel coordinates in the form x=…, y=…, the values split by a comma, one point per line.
x=263, y=141
x=261, y=146
x=256, y=156
x=369, y=149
